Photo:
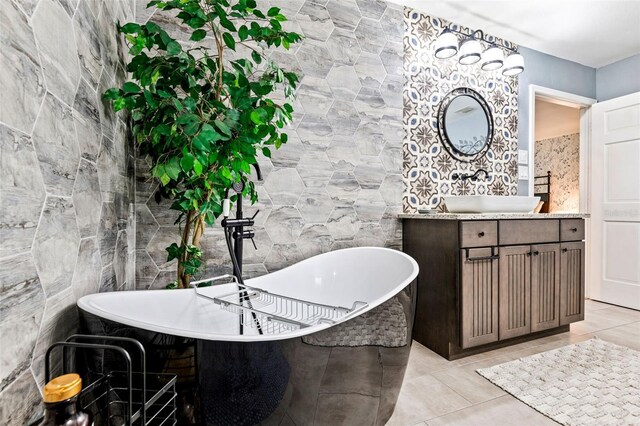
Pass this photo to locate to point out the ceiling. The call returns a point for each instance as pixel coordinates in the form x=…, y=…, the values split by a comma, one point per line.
x=554, y=120
x=591, y=32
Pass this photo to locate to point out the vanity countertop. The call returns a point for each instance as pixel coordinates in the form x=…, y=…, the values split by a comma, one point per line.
x=489, y=216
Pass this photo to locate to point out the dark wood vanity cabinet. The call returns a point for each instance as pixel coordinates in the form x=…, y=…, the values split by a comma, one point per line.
x=479, y=297
x=572, y=280
x=486, y=283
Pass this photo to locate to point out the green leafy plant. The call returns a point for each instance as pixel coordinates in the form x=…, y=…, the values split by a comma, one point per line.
x=201, y=114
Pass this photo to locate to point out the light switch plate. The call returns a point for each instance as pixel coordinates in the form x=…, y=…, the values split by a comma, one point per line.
x=523, y=172
x=523, y=156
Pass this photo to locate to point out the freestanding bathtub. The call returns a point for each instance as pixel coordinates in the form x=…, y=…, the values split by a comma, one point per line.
x=324, y=341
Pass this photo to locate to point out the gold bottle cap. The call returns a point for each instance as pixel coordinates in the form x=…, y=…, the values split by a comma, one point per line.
x=62, y=388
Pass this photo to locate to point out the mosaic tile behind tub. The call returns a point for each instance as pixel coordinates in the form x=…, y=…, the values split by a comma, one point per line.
x=561, y=156
x=427, y=167
x=66, y=181
x=337, y=183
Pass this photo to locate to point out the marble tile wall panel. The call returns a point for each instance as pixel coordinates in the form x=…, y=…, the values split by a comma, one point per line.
x=560, y=156
x=56, y=246
x=338, y=181
x=427, y=166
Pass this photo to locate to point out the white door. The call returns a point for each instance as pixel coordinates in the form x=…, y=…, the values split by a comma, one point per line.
x=615, y=201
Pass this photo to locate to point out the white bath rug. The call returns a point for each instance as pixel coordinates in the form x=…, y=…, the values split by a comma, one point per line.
x=589, y=383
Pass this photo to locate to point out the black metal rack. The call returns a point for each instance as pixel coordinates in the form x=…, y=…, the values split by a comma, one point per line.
x=117, y=398
x=542, y=189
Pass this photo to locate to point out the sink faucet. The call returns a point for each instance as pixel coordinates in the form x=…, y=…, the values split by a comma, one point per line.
x=473, y=177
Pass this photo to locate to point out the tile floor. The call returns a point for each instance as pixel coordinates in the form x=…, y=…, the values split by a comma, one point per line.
x=440, y=392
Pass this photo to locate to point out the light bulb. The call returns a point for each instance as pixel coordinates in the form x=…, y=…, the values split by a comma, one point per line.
x=492, y=59
x=513, y=65
x=446, y=45
x=470, y=52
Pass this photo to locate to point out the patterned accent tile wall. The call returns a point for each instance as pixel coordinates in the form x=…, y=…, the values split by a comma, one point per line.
x=338, y=181
x=560, y=156
x=427, y=167
x=66, y=180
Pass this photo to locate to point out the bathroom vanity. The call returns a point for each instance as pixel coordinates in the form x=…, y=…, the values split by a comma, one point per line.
x=491, y=280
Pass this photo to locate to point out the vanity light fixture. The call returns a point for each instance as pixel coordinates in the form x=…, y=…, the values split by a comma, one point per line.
x=513, y=65
x=492, y=59
x=470, y=51
x=446, y=45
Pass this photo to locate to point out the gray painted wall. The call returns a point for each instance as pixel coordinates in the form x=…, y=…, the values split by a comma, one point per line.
x=618, y=79
x=66, y=181
x=552, y=72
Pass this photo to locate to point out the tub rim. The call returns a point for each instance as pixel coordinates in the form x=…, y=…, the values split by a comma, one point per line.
x=87, y=304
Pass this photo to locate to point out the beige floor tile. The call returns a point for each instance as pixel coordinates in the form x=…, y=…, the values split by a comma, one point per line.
x=434, y=387
x=594, y=305
x=566, y=339
x=425, y=398
x=469, y=384
x=603, y=319
x=502, y=411
x=424, y=361
x=625, y=335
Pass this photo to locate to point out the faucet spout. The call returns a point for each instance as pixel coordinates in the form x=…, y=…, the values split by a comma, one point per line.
x=258, y=171
x=473, y=177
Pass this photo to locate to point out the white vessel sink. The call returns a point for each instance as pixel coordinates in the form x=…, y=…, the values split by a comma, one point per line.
x=490, y=204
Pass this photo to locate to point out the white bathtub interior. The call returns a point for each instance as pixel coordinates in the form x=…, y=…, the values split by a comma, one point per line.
x=340, y=278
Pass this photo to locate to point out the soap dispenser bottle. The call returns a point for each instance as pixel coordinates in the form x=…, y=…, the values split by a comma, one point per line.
x=60, y=397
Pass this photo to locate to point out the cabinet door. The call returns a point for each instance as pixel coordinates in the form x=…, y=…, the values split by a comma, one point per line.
x=572, y=269
x=479, y=296
x=545, y=286
x=515, y=291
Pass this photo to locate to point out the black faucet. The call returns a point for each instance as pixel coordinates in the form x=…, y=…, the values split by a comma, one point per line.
x=235, y=234
x=234, y=228
x=473, y=177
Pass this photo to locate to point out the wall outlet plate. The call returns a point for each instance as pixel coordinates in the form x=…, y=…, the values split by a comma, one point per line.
x=523, y=156
x=523, y=172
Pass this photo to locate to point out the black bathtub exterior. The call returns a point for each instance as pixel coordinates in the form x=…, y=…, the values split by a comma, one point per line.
x=276, y=382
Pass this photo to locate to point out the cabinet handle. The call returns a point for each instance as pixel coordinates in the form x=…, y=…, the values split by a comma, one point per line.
x=493, y=256
x=474, y=259
x=574, y=229
x=564, y=250
x=481, y=234
x=535, y=253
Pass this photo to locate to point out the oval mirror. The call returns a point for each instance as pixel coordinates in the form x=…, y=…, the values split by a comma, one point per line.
x=465, y=125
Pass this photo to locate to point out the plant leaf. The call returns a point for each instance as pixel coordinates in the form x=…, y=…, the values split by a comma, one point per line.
x=229, y=41
x=173, y=48
x=198, y=35
x=131, y=87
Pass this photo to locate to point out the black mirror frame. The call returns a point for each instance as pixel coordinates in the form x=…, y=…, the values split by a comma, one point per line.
x=442, y=131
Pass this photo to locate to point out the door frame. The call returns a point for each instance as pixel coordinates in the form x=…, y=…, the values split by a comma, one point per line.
x=567, y=99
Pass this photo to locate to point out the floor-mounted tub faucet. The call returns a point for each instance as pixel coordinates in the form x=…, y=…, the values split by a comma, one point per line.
x=235, y=234
x=473, y=177
x=235, y=231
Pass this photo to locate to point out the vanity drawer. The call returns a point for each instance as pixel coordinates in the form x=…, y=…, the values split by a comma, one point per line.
x=513, y=232
x=572, y=230
x=478, y=233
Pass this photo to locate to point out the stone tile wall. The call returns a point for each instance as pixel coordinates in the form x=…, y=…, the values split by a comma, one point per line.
x=338, y=181
x=561, y=156
x=427, y=165
x=66, y=180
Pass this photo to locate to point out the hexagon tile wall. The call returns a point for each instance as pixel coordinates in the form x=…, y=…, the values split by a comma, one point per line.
x=338, y=181
x=66, y=180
